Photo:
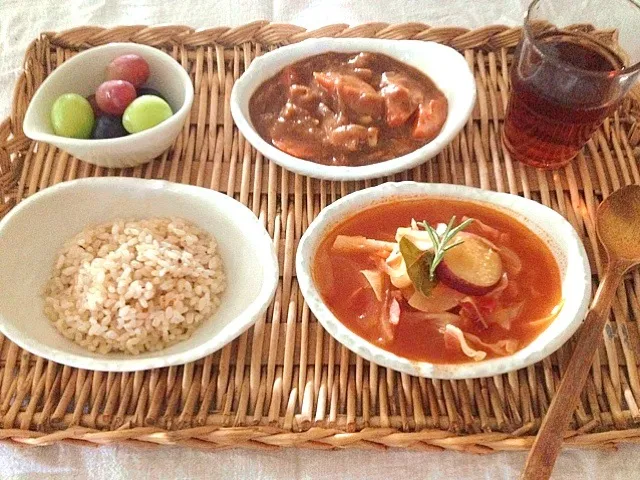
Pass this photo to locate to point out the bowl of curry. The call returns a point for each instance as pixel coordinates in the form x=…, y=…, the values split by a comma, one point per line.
x=348, y=109
x=444, y=281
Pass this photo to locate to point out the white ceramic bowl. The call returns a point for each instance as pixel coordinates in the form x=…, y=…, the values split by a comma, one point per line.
x=552, y=228
x=32, y=233
x=446, y=67
x=82, y=74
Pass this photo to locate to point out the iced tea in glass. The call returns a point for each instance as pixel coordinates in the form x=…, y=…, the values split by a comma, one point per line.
x=566, y=78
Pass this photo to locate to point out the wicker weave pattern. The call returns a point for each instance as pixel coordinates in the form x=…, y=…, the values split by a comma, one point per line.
x=286, y=382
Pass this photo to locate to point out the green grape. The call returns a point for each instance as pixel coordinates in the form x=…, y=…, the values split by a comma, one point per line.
x=145, y=112
x=72, y=116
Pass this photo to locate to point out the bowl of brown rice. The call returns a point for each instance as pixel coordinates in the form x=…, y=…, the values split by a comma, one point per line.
x=124, y=274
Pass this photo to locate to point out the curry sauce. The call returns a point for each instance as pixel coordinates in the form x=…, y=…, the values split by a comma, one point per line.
x=348, y=109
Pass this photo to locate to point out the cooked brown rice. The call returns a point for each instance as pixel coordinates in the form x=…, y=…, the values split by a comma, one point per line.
x=135, y=286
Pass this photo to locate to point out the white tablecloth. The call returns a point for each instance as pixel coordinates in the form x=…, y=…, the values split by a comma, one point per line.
x=22, y=20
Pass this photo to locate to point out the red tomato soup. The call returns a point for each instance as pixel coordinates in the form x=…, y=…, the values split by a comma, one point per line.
x=489, y=296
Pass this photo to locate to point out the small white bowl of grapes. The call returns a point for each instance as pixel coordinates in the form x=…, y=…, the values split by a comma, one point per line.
x=117, y=105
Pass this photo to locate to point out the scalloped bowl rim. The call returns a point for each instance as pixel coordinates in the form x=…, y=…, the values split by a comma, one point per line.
x=549, y=225
x=267, y=65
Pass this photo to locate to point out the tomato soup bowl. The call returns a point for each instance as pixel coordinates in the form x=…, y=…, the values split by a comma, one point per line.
x=554, y=231
x=447, y=69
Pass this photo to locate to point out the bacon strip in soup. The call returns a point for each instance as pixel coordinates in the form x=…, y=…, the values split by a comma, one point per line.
x=411, y=278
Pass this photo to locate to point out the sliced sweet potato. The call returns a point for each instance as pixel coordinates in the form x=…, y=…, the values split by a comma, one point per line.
x=473, y=267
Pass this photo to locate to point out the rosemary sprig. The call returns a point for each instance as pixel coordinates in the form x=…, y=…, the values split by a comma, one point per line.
x=440, y=241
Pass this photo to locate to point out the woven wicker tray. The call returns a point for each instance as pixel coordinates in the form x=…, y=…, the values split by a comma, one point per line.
x=286, y=382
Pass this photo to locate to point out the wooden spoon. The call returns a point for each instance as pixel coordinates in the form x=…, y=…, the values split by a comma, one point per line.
x=618, y=227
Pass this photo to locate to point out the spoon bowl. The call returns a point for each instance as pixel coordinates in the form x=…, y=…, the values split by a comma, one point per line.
x=618, y=224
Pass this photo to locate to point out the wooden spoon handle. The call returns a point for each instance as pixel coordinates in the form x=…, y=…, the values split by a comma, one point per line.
x=547, y=444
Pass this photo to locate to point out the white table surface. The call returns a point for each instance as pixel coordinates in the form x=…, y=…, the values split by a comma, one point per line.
x=23, y=20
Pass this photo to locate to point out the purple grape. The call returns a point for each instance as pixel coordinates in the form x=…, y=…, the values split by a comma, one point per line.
x=149, y=91
x=108, y=126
